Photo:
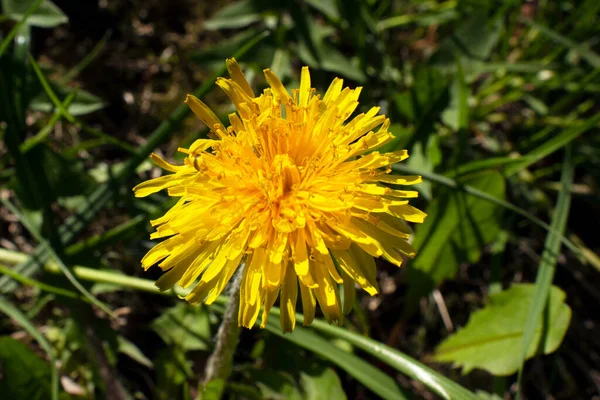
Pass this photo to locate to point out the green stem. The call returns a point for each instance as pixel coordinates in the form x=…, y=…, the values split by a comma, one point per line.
x=218, y=367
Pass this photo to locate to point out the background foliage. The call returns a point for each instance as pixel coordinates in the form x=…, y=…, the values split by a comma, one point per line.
x=496, y=101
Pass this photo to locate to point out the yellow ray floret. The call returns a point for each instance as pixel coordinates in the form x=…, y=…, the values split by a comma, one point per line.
x=294, y=190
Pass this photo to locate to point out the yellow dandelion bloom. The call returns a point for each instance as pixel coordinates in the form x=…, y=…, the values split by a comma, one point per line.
x=291, y=190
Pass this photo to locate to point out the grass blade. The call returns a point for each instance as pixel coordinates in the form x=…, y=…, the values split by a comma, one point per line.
x=43, y=286
x=7, y=308
x=553, y=144
x=547, y=267
x=64, y=269
x=587, y=54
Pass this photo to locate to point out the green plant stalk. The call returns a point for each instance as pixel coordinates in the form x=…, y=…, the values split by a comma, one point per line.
x=219, y=364
x=102, y=195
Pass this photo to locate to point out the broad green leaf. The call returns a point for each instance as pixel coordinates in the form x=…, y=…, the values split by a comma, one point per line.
x=20, y=26
x=276, y=385
x=185, y=327
x=314, y=50
x=212, y=391
x=323, y=383
x=472, y=191
x=456, y=229
x=16, y=314
x=47, y=15
x=472, y=43
x=235, y=15
x=24, y=374
x=492, y=338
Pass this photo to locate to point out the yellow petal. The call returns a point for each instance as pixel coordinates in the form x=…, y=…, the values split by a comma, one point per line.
x=238, y=76
x=304, y=87
x=350, y=267
x=206, y=115
x=155, y=185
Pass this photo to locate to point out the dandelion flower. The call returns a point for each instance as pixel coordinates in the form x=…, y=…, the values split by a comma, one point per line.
x=295, y=190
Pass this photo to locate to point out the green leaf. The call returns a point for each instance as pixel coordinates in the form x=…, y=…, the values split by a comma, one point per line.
x=276, y=385
x=456, y=229
x=14, y=313
x=235, y=15
x=24, y=374
x=184, y=326
x=472, y=191
x=83, y=102
x=47, y=15
x=492, y=338
x=172, y=371
x=19, y=26
x=472, y=43
x=213, y=390
x=322, y=383
x=129, y=348
x=329, y=8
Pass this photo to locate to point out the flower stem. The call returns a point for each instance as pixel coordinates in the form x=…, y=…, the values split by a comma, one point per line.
x=218, y=367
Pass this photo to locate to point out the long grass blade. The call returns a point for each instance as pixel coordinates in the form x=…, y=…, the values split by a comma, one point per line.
x=43, y=286
x=64, y=269
x=555, y=143
x=587, y=54
x=547, y=267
